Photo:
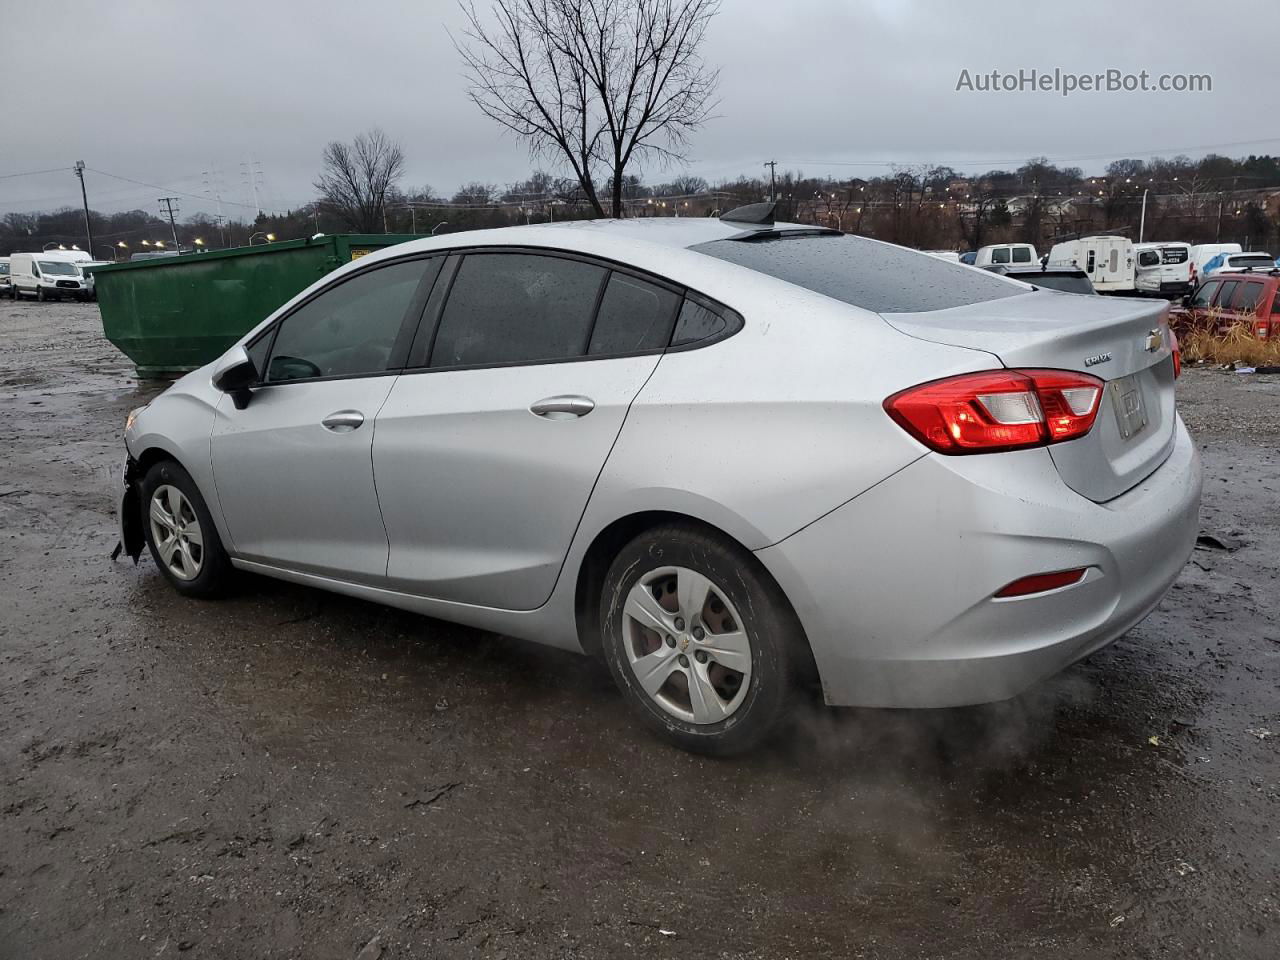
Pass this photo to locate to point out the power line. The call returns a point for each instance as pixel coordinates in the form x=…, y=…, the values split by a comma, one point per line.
x=31, y=173
x=156, y=186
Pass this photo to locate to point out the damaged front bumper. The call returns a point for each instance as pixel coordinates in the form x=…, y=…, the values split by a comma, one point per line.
x=129, y=514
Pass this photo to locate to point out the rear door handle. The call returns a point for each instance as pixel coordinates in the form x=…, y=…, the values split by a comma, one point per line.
x=567, y=407
x=344, y=421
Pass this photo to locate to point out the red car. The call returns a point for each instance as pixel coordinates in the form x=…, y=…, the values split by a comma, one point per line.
x=1249, y=297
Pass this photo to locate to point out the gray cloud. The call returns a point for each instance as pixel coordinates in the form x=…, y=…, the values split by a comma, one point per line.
x=164, y=92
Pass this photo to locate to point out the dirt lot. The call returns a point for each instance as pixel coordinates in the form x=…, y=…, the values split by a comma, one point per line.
x=294, y=774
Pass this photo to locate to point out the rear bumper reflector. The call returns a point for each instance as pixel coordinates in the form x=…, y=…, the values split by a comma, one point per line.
x=1042, y=582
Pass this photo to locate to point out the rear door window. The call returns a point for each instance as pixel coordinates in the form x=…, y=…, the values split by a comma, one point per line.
x=517, y=308
x=634, y=316
x=1000, y=255
x=1148, y=258
x=1225, y=294
x=1247, y=296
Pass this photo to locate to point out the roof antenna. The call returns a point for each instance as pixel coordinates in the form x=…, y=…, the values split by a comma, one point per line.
x=757, y=213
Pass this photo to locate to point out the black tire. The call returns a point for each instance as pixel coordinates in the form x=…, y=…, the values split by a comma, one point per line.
x=215, y=574
x=778, y=648
x=40, y=297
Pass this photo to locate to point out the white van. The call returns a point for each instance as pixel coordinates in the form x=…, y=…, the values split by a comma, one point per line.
x=1164, y=269
x=1007, y=254
x=1108, y=261
x=47, y=276
x=86, y=271
x=1202, y=253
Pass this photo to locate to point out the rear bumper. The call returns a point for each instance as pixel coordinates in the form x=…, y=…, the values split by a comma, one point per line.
x=895, y=589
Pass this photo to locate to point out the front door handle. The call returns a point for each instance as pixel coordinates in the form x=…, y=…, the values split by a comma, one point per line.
x=568, y=407
x=344, y=421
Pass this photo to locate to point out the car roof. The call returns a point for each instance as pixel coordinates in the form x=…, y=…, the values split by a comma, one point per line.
x=672, y=231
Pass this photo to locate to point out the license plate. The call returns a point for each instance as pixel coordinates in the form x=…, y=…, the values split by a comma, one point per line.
x=1126, y=399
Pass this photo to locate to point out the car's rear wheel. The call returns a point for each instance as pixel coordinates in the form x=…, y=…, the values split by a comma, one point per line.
x=700, y=640
x=184, y=542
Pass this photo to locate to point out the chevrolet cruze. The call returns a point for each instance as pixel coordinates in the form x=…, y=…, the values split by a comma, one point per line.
x=737, y=459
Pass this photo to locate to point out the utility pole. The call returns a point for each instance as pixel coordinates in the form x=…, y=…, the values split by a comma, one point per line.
x=173, y=225
x=88, y=228
x=773, y=189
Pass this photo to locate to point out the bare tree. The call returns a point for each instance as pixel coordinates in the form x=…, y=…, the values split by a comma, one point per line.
x=599, y=85
x=359, y=178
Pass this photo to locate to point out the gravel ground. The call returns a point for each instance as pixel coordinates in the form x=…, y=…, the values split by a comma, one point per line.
x=295, y=774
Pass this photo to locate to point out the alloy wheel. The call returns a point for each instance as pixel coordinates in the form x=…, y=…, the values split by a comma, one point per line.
x=686, y=645
x=175, y=530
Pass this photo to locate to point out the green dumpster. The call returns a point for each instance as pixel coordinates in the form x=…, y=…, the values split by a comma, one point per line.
x=175, y=314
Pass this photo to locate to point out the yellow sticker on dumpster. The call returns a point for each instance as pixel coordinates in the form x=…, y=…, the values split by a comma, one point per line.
x=357, y=254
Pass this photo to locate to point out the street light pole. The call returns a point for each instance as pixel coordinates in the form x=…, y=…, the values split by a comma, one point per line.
x=1142, y=221
x=88, y=229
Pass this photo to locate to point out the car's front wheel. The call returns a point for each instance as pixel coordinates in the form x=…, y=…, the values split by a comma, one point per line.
x=180, y=532
x=700, y=640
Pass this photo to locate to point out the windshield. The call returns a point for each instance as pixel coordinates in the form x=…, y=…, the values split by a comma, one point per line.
x=875, y=276
x=58, y=267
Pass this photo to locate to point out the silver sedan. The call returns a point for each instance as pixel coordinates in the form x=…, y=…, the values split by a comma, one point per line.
x=737, y=459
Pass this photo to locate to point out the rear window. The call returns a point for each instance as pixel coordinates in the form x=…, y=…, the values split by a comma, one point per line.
x=862, y=272
x=1021, y=255
x=1067, y=283
x=1239, y=263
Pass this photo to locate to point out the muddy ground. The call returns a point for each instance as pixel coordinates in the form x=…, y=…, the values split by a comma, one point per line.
x=295, y=774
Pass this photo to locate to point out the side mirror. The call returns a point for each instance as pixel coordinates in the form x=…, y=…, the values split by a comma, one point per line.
x=235, y=374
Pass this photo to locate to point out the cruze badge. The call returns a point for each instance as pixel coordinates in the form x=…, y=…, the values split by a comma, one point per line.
x=1097, y=359
x=1155, y=340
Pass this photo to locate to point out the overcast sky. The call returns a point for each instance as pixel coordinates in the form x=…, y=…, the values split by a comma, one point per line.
x=164, y=92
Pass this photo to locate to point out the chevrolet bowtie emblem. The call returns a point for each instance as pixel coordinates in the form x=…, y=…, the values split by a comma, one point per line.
x=1155, y=340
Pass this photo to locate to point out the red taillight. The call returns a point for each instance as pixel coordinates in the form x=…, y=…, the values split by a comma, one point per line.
x=1177, y=355
x=1042, y=582
x=998, y=410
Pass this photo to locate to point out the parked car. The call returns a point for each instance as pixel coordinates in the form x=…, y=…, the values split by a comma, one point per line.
x=86, y=274
x=1232, y=298
x=1108, y=261
x=1233, y=262
x=1163, y=269
x=1000, y=253
x=733, y=457
x=1202, y=253
x=1062, y=279
x=4, y=276
x=52, y=275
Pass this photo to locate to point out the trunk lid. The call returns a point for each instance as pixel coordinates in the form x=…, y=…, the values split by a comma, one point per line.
x=1121, y=340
